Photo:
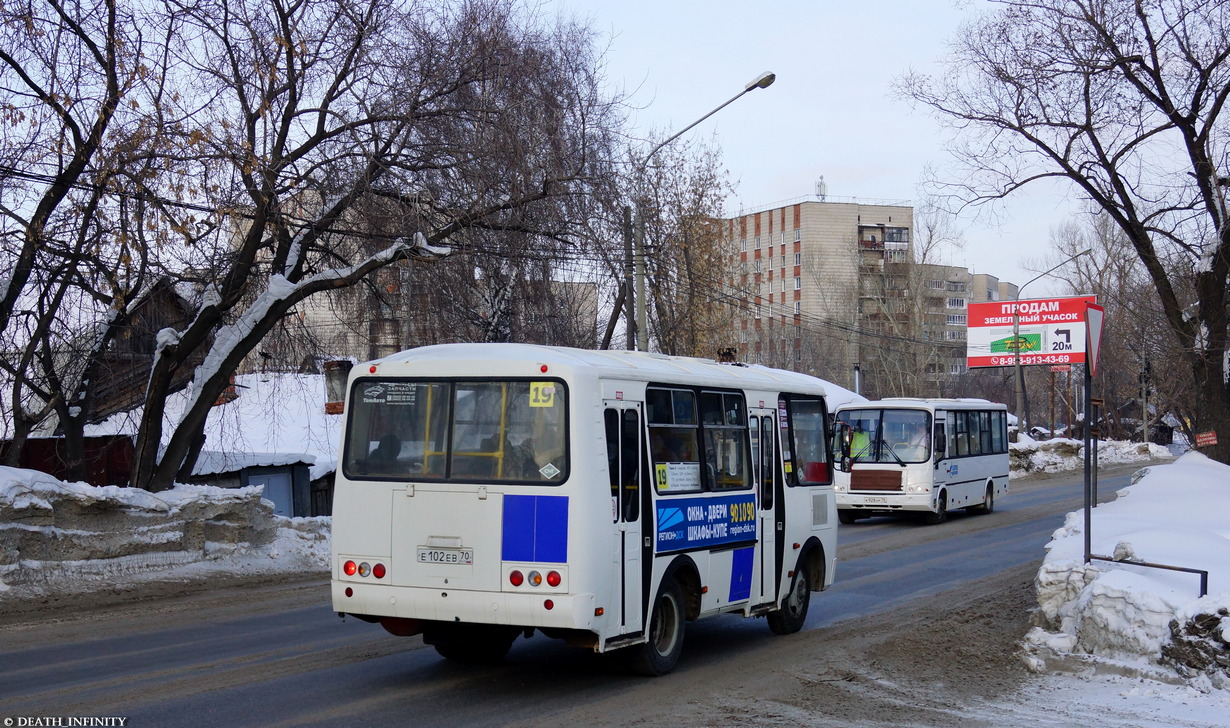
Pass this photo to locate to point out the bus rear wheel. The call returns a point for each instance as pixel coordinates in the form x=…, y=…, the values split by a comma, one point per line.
x=659, y=655
x=988, y=505
x=475, y=644
x=793, y=612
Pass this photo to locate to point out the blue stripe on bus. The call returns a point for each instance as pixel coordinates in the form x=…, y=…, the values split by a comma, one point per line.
x=741, y=574
x=535, y=528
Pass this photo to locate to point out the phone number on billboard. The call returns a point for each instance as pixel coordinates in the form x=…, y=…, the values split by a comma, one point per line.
x=1007, y=361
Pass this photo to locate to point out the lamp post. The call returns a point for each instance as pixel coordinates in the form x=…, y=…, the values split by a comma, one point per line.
x=1022, y=417
x=764, y=80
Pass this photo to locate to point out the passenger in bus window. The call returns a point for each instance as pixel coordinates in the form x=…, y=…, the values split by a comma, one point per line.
x=383, y=459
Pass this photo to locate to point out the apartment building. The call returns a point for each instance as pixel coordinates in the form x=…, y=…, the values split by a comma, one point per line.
x=833, y=288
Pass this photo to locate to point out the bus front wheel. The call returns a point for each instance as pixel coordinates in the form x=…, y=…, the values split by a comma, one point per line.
x=659, y=655
x=940, y=514
x=793, y=612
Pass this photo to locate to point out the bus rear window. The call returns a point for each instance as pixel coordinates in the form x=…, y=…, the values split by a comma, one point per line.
x=481, y=431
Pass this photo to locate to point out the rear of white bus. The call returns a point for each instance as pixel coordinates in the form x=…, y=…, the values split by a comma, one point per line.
x=452, y=513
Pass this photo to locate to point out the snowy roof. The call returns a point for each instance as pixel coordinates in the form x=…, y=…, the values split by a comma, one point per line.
x=212, y=462
x=277, y=419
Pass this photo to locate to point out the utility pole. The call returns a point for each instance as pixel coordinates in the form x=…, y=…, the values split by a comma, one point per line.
x=1144, y=388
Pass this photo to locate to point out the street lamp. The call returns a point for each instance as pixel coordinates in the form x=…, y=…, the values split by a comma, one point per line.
x=1022, y=417
x=764, y=80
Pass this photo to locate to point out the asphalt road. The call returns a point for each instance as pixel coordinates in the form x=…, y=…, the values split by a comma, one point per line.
x=277, y=655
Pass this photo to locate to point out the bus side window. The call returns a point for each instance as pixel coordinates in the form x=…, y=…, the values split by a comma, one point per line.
x=610, y=419
x=768, y=459
x=753, y=429
x=623, y=457
x=630, y=458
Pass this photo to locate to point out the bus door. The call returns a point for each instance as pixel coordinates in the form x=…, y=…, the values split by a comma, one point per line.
x=761, y=426
x=625, y=445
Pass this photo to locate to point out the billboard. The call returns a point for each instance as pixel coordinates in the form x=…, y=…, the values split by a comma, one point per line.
x=1049, y=331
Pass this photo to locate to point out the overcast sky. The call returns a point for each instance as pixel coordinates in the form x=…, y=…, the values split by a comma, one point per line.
x=831, y=112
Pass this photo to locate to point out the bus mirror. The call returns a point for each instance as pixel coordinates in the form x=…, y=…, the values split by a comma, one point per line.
x=842, y=435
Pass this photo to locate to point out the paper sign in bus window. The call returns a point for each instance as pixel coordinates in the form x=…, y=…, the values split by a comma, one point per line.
x=678, y=476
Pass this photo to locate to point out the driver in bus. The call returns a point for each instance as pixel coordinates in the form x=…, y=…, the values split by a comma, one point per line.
x=860, y=442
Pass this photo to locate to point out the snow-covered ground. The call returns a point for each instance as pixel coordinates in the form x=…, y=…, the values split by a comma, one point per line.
x=58, y=537
x=1063, y=454
x=1106, y=650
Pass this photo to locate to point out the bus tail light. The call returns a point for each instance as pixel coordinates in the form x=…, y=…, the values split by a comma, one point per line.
x=378, y=571
x=549, y=604
x=516, y=578
x=553, y=578
x=535, y=578
x=349, y=568
x=365, y=569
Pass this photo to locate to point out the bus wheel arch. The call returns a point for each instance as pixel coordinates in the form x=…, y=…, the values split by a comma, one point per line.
x=812, y=558
x=683, y=571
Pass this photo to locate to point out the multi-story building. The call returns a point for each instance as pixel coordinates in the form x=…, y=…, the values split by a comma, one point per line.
x=835, y=288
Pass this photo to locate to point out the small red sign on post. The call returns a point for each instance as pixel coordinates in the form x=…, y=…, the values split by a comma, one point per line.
x=1206, y=439
x=1061, y=367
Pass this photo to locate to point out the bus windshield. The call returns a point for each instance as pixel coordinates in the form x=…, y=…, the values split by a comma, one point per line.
x=470, y=431
x=888, y=435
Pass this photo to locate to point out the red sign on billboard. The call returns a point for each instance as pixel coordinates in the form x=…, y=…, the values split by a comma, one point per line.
x=1206, y=439
x=1038, y=331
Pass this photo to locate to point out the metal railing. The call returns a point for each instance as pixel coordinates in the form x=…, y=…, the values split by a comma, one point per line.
x=1204, y=575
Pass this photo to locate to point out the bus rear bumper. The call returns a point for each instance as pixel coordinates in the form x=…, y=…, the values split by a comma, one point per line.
x=564, y=611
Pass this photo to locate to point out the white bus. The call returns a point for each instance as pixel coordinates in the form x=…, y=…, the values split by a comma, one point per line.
x=601, y=497
x=903, y=455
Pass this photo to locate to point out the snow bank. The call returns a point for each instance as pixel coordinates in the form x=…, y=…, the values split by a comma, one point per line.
x=1028, y=455
x=57, y=536
x=1133, y=617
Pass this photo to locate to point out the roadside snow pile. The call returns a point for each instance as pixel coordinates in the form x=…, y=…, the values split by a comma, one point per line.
x=1136, y=619
x=1028, y=455
x=57, y=536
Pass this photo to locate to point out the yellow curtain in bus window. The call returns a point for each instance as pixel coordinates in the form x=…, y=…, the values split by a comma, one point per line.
x=542, y=394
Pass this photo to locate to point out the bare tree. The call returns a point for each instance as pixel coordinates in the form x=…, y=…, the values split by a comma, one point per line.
x=1135, y=339
x=681, y=193
x=80, y=93
x=462, y=115
x=1125, y=100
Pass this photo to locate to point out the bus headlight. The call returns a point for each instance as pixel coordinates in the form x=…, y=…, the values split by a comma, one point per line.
x=839, y=487
x=918, y=488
